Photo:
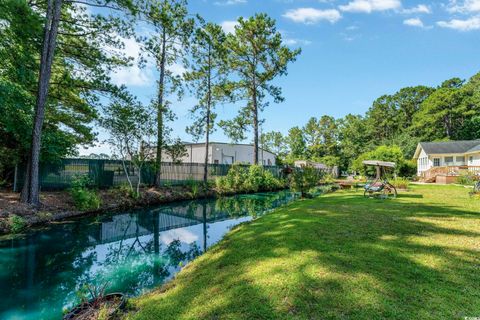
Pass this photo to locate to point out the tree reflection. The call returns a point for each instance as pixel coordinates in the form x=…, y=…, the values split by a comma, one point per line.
x=43, y=271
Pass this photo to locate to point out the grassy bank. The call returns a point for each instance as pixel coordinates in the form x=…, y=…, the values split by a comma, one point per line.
x=338, y=257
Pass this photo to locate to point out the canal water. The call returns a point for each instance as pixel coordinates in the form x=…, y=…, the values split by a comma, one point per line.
x=45, y=272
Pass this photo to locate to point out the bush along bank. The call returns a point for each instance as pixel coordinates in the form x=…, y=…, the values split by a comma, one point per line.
x=82, y=200
x=79, y=201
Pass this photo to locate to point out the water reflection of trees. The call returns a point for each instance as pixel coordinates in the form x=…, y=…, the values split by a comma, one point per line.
x=49, y=267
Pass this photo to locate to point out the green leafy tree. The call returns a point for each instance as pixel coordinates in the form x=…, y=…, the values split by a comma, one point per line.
x=444, y=112
x=470, y=129
x=176, y=150
x=296, y=144
x=353, y=137
x=408, y=102
x=208, y=79
x=382, y=119
x=54, y=58
x=131, y=131
x=257, y=56
x=312, y=136
x=167, y=45
x=274, y=142
x=303, y=179
x=381, y=153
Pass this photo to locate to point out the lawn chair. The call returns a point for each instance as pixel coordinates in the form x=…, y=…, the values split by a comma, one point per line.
x=379, y=187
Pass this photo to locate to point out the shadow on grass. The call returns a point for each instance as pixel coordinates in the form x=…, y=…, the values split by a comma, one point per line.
x=406, y=195
x=336, y=257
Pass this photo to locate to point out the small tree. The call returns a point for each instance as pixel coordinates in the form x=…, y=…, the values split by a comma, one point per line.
x=381, y=153
x=176, y=150
x=208, y=79
x=130, y=128
x=274, y=142
x=257, y=55
x=303, y=179
x=166, y=45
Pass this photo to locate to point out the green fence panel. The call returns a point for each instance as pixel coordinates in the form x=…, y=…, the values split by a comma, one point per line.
x=108, y=173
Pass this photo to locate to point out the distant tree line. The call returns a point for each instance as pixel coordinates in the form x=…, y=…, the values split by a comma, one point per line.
x=450, y=111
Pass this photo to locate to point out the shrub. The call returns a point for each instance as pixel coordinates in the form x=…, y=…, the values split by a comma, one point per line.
x=253, y=179
x=400, y=183
x=16, y=223
x=234, y=181
x=83, y=197
x=194, y=187
x=381, y=153
x=303, y=179
x=319, y=190
x=466, y=179
x=407, y=168
x=328, y=179
x=124, y=191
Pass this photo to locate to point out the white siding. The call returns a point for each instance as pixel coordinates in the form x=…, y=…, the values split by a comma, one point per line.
x=424, y=162
x=473, y=159
x=224, y=154
x=237, y=153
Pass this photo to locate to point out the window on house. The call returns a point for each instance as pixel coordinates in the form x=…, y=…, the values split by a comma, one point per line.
x=215, y=161
x=436, y=162
x=449, y=160
x=471, y=160
x=269, y=162
x=460, y=159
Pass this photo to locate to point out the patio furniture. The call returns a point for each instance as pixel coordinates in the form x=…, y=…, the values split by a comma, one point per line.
x=379, y=187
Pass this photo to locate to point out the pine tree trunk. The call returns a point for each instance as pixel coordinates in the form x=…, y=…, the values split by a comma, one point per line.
x=30, y=192
x=255, y=125
x=207, y=129
x=160, y=111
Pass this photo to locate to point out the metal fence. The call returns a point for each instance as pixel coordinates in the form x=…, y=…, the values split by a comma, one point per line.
x=109, y=173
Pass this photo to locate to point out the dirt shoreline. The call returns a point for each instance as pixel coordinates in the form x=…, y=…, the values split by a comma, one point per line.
x=58, y=206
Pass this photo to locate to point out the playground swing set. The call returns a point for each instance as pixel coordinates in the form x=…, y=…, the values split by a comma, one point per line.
x=379, y=187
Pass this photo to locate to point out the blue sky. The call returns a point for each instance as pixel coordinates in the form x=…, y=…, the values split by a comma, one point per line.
x=353, y=52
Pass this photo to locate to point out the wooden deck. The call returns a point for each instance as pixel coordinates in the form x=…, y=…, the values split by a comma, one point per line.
x=447, y=174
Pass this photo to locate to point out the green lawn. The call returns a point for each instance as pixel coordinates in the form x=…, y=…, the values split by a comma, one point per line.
x=339, y=256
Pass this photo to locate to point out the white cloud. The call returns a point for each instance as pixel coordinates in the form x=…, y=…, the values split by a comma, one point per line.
x=229, y=2
x=421, y=8
x=369, y=6
x=133, y=75
x=414, y=22
x=467, y=6
x=184, y=235
x=229, y=26
x=312, y=16
x=296, y=42
x=461, y=25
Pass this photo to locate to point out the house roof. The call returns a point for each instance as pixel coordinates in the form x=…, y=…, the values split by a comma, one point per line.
x=465, y=146
x=474, y=149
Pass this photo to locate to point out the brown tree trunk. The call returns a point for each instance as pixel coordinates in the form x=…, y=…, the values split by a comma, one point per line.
x=207, y=129
x=255, y=125
x=160, y=111
x=30, y=192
